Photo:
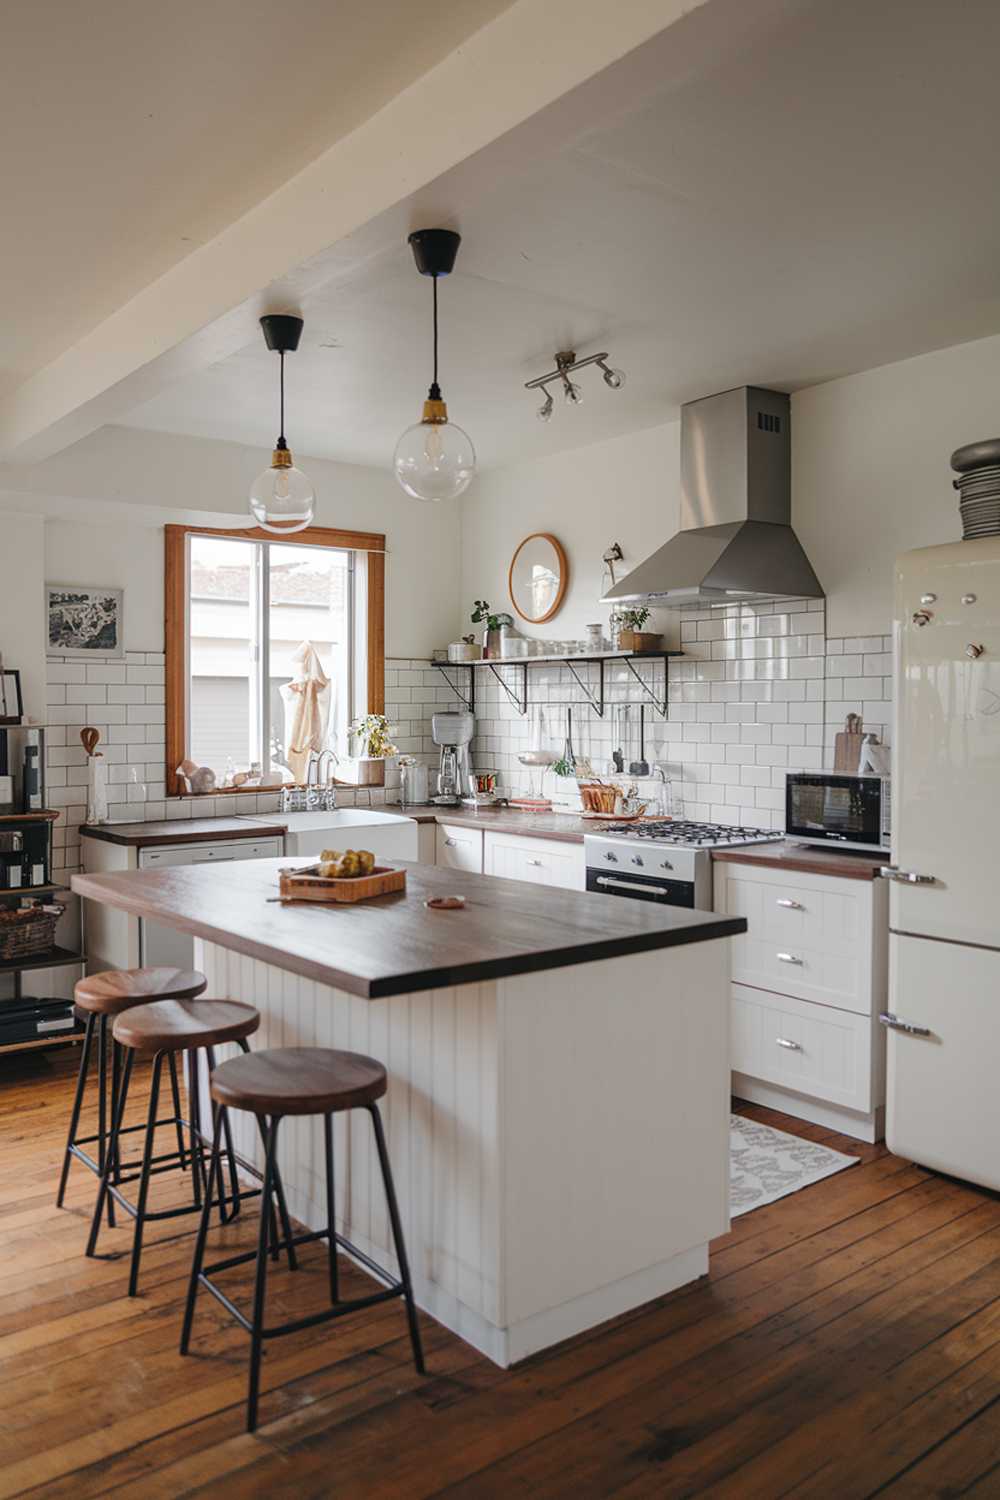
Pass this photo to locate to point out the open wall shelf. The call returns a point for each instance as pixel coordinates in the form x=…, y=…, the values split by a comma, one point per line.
x=513, y=673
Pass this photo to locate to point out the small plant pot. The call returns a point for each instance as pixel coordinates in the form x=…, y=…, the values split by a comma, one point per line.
x=640, y=640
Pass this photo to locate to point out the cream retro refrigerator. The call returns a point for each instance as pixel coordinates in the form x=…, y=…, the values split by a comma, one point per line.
x=943, y=1023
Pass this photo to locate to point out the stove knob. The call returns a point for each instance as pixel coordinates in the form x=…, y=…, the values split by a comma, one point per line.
x=665, y=864
x=974, y=651
x=637, y=859
x=612, y=857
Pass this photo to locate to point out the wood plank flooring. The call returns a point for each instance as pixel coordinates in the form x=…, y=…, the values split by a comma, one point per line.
x=845, y=1344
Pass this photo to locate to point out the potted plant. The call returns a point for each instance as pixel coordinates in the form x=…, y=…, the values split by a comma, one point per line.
x=369, y=768
x=631, y=635
x=493, y=620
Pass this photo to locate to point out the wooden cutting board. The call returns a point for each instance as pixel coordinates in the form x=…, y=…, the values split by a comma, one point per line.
x=309, y=885
x=847, y=747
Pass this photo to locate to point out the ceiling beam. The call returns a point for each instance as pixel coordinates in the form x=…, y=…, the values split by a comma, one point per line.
x=205, y=307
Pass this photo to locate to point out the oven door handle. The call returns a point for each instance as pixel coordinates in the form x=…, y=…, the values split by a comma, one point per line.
x=630, y=885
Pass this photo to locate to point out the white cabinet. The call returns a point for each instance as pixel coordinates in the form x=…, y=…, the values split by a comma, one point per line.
x=809, y=978
x=542, y=861
x=460, y=848
x=160, y=944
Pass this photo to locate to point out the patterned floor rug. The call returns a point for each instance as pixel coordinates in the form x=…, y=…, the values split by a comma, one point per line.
x=766, y=1164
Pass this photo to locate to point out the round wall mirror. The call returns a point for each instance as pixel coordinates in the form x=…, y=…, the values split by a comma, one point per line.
x=538, y=577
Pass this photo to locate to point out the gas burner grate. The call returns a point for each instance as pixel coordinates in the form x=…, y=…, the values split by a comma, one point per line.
x=703, y=835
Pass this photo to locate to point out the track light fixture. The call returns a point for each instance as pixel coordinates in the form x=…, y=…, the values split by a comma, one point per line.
x=566, y=365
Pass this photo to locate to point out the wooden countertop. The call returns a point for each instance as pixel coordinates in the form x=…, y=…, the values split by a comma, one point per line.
x=185, y=830
x=393, y=945
x=566, y=827
x=787, y=855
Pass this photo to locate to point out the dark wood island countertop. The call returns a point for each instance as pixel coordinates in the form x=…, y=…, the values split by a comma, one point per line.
x=393, y=945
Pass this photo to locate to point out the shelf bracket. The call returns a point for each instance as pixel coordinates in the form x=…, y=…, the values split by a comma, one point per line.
x=520, y=701
x=468, y=696
x=596, y=701
x=660, y=704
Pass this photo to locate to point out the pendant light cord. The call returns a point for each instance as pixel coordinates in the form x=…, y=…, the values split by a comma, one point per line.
x=435, y=390
x=281, y=434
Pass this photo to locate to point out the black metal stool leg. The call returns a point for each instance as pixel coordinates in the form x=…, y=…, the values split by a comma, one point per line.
x=103, y=1132
x=147, y=1155
x=199, y=1246
x=175, y=1092
x=286, y=1223
x=256, y=1340
x=102, y=1191
x=331, y=1209
x=194, y=1120
x=225, y=1214
x=74, y=1119
x=397, y=1235
x=262, y=1127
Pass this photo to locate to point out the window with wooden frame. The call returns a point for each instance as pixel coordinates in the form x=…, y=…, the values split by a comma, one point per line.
x=249, y=617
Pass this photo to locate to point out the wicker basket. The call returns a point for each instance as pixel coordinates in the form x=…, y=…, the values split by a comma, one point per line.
x=28, y=931
x=597, y=797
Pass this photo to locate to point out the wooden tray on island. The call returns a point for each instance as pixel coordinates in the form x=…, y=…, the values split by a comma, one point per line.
x=308, y=884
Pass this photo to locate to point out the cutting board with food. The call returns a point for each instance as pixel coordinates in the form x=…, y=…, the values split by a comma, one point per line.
x=351, y=875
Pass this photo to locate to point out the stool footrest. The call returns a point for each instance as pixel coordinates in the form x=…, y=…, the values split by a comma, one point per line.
x=312, y=1320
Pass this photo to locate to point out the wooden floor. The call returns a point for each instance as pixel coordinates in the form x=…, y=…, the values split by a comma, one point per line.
x=846, y=1344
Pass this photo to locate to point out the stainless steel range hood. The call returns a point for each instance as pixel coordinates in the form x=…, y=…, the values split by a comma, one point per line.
x=736, y=541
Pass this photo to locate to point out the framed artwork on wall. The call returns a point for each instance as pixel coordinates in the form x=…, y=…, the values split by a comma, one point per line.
x=11, y=703
x=81, y=621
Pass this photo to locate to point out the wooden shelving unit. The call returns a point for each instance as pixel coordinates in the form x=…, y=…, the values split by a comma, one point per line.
x=37, y=829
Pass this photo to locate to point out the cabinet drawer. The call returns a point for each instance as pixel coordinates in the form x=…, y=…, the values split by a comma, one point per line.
x=460, y=848
x=541, y=861
x=813, y=1049
x=809, y=936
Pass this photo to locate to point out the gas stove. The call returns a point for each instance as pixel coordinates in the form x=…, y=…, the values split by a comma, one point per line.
x=666, y=860
x=693, y=835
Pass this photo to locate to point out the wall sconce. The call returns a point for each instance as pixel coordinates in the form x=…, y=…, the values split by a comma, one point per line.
x=566, y=365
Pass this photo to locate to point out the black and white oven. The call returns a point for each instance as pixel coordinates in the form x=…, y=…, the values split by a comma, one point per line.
x=662, y=860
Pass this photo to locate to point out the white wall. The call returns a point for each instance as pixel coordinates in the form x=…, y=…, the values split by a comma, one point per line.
x=870, y=479
x=107, y=498
x=22, y=605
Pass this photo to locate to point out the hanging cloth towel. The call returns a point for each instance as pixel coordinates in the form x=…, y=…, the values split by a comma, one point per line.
x=307, y=701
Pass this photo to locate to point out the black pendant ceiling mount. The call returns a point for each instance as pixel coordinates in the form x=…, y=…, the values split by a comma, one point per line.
x=434, y=250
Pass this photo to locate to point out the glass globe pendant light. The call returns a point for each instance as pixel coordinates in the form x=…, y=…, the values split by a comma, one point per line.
x=434, y=459
x=282, y=498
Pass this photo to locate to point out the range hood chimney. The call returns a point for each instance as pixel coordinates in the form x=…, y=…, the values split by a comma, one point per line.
x=736, y=542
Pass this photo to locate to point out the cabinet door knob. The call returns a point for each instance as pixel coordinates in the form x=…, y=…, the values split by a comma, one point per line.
x=789, y=958
x=534, y=861
x=783, y=1041
x=792, y=905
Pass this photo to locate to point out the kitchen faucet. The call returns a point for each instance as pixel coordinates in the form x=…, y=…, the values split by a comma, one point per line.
x=322, y=794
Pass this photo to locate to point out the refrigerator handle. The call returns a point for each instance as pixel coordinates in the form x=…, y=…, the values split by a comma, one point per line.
x=907, y=877
x=896, y=1023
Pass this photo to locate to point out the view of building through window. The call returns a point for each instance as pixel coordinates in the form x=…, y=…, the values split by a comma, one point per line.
x=252, y=609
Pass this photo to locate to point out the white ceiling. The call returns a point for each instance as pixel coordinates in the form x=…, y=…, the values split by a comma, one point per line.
x=818, y=201
x=135, y=132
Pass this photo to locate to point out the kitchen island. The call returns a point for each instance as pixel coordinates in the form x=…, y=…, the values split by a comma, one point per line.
x=558, y=1067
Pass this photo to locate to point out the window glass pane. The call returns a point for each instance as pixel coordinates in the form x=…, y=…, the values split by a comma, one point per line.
x=310, y=653
x=222, y=688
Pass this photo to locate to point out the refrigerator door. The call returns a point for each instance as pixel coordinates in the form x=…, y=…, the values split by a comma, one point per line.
x=942, y=1100
x=946, y=808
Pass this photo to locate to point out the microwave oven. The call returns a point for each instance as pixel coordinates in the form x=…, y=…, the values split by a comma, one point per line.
x=838, y=812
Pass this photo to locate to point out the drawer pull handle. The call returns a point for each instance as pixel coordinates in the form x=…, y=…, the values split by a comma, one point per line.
x=783, y=1041
x=896, y=1023
x=791, y=905
x=905, y=877
x=789, y=958
x=534, y=861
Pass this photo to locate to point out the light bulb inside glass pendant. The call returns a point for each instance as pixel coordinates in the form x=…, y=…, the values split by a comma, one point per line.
x=434, y=461
x=282, y=498
x=614, y=378
x=573, y=393
x=544, y=412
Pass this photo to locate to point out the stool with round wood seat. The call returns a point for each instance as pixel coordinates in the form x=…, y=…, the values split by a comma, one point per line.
x=159, y=1030
x=300, y=1081
x=102, y=997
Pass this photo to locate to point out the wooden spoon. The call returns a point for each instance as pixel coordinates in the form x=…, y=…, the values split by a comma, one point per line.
x=90, y=739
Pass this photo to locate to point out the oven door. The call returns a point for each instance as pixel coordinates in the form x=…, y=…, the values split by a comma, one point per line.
x=642, y=887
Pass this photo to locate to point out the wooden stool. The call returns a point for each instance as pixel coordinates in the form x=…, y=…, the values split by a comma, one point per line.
x=300, y=1081
x=102, y=997
x=160, y=1030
